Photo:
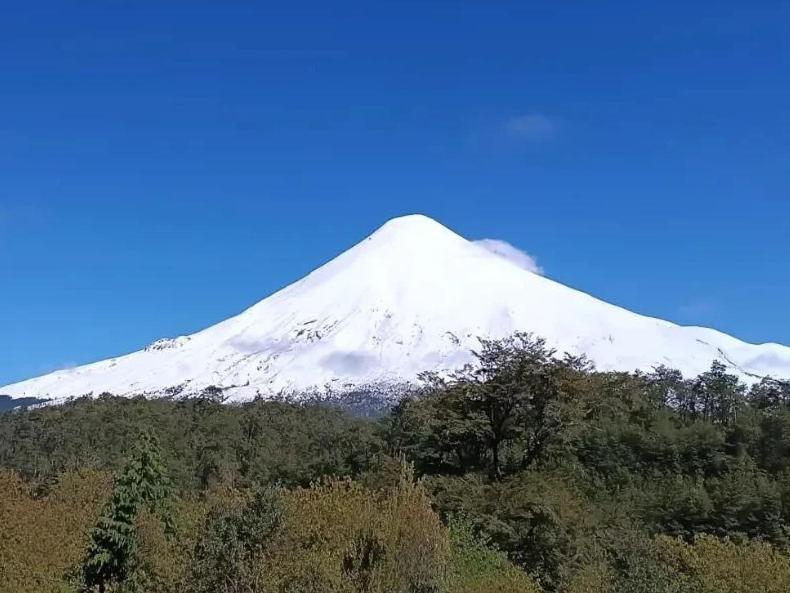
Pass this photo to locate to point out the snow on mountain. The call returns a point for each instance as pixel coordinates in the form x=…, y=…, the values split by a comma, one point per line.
x=413, y=296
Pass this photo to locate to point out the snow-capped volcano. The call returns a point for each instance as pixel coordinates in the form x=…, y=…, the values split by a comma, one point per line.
x=411, y=297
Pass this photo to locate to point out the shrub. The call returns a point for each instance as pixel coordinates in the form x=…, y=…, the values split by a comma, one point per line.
x=720, y=565
x=42, y=538
x=476, y=567
x=339, y=536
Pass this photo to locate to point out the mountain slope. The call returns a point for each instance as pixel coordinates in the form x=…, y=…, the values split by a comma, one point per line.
x=413, y=296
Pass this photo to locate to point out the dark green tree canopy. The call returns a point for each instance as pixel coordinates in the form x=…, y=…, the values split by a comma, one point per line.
x=110, y=563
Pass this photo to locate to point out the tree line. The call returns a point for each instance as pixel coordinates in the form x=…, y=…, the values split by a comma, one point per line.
x=524, y=472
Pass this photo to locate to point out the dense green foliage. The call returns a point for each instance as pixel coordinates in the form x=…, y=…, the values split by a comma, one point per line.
x=532, y=473
x=111, y=560
x=203, y=442
x=231, y=542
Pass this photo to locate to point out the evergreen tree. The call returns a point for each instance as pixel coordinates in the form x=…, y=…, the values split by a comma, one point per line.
x=770, y=393
x=501, y=415
x=110, y=564
x=669, y=388
x=513, y=390
x=228, y=555
x=720, y=394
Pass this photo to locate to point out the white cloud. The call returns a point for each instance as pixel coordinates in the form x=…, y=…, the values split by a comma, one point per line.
x=513, y=254
x=534, y=127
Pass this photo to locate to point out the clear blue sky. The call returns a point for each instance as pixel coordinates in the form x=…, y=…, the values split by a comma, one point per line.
x=163, y=165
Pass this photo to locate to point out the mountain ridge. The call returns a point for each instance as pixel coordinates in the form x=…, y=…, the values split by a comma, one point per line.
x=413, y=296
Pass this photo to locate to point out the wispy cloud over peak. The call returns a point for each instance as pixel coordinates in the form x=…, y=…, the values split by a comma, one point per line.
x=513, y=254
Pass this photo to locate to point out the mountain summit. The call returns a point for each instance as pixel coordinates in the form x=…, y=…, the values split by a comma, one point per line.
x=413, y=296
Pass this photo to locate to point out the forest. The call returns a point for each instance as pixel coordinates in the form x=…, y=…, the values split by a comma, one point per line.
x=524, y=473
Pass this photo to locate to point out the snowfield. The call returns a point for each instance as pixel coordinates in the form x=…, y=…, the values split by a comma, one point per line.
x=411, y=297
